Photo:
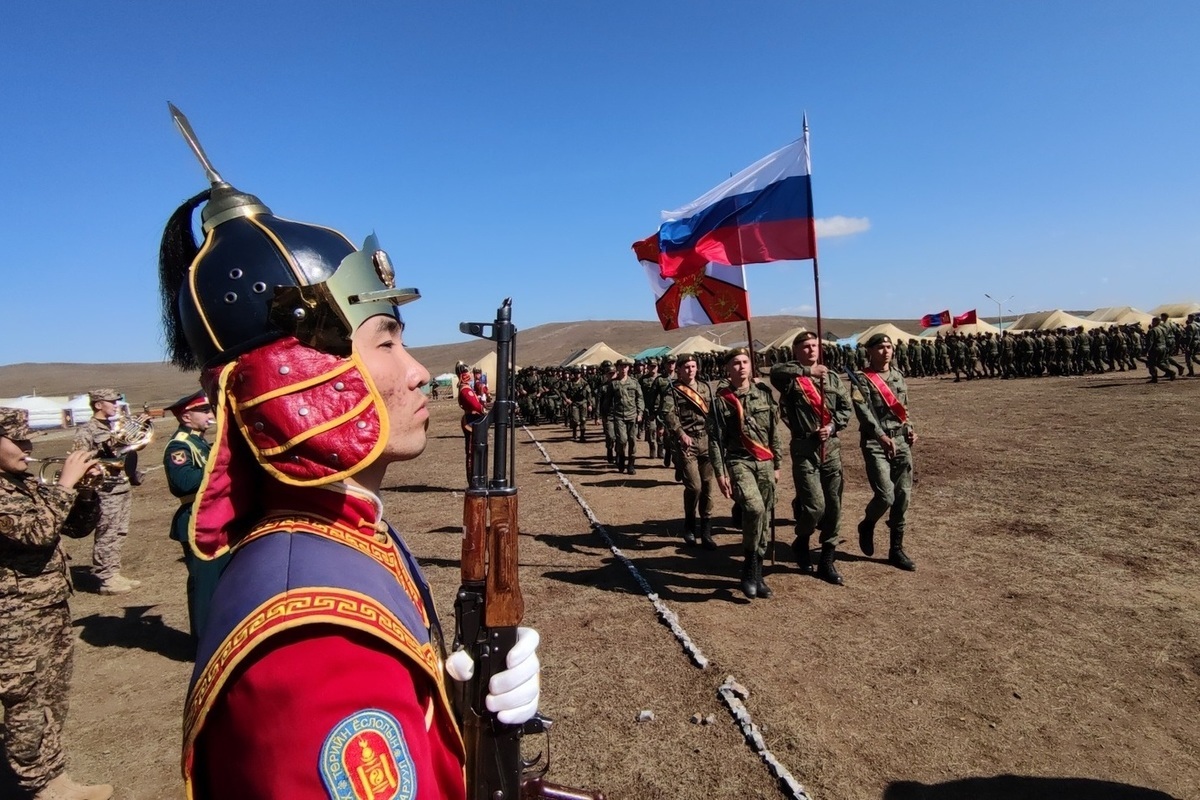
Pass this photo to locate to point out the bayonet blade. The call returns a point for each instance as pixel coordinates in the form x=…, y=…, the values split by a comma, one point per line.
x=189, y=136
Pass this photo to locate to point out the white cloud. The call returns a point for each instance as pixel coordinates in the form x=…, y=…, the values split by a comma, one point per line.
x=842, y=226
x=799, y=310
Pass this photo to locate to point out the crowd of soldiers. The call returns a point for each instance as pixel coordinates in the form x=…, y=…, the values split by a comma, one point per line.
x=731, y=439
x=1033, y=354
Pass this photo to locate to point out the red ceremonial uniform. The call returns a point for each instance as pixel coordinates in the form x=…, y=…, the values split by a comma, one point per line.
x=322, y=689
x=473, y=409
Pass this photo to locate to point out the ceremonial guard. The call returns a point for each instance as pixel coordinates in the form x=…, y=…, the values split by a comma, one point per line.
x=685, y=411
x=319, y=673
x=628, y=408
x=184, y=460
x=96, y=437
x=815, y=406
x=746, y=447
x=880, y=398
x=472, y=408
x=36, y=639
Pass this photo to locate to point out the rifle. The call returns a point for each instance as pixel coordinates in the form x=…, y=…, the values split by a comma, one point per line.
x=489, y=605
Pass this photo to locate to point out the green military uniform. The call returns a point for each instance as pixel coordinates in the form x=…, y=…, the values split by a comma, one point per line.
x=890, y=477
x=604, y=402
x=628, y=408
x=1158, y=352
x=577, y=396
x=685, y=410
x=184, y=460
x=745, y=444
x=806, y=405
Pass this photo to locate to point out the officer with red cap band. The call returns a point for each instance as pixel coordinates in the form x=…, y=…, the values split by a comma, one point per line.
x=319, y=673
x=472, y=406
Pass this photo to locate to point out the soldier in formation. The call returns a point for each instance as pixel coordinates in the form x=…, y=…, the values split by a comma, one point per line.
x=36, y=639
x=685, y=410
x=627, y=409
x=577, y=397
x=880, y=398
x=746, y=450
x=815, y=406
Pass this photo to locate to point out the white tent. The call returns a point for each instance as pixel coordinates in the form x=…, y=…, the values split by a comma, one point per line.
x=1120, y=315
x=1177, y=310
x=1052, y=321
x=594, y=355
x=888, y=328
x=44, y=412
x=785, y=339
x=697, y=344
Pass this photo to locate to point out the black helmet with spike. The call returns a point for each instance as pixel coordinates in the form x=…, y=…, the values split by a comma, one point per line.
x=258, y=277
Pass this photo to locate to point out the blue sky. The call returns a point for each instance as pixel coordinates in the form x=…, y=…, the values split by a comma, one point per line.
x=1046, y=151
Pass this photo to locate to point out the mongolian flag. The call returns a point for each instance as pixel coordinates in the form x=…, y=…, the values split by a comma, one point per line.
x=714, y=294
x=934, y=320
x=969, y=318
x=763, y=213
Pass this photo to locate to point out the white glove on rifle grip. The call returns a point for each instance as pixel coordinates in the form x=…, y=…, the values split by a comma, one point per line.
x=512, y=694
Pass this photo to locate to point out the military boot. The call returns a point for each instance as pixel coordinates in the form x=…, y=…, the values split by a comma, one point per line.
x=827, y=571
x=631, y=470
x=666, y=454
x=896, y=555
x=706, y=534
x=582, y=434
x=749, y=583
x=803, y=556
x=866, y=537
x=760, y=585
x=653, y=449
x=621, y=461
x=736, y=515
x=608, y=452
x=689, y=527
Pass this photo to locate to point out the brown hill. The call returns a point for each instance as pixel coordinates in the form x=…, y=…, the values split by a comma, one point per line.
x=159, y=384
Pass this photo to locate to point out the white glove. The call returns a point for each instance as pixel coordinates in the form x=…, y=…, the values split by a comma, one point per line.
x=512, y=694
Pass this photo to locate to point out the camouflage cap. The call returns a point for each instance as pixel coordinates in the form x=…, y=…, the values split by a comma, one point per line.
x=730, y=355
x=109, y=395
x=14, y=424
x=621, y=362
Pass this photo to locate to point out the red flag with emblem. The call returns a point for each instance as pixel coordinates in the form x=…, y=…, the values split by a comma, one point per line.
x=706, y=296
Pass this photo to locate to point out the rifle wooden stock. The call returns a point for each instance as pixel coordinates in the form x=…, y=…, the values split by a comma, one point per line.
x=474, y=553
x=504, y=606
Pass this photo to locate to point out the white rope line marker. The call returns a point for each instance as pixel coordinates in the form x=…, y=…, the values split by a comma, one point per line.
x=731, y=692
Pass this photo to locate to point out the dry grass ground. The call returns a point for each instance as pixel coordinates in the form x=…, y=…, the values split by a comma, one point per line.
x=1047, y=647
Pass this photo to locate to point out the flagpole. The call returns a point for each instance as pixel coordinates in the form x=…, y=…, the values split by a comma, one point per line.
x=812, y=244
x=749, y=332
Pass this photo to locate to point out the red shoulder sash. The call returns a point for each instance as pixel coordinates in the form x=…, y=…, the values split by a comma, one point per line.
x=889, y=397
x=815, y=399
x=693, y=397
x=754, y=447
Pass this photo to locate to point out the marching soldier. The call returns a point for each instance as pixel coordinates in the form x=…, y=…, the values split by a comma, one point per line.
x=887, y=436
x=651, y=394
x=685, y=411
x=1158, y=350
x=578, y=398
x=604, y=403
x=36, y=639
x=815, y=406
x=666, y=377
x=184, y=461
x=746, y=446
x=115, y=498
x=628, y=410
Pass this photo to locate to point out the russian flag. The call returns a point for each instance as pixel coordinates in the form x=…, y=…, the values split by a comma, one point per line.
x=764, y=213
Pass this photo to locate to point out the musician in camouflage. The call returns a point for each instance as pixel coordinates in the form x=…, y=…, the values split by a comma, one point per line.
x=880, y=398
x=685, y=408
x=95, y=437
x=746, y=449
x=36, y=639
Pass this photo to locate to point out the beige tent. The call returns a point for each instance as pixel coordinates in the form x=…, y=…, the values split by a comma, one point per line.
x=488, y=366
x=891, y=330
x=1052, y=321
x=697, y=344
x=785, y=340
x=594, y=355
x=1177, y=310
x=1120, y=315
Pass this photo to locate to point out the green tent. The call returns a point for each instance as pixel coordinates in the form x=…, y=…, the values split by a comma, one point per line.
x=652, y=352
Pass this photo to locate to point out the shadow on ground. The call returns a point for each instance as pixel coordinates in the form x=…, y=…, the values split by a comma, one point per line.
x=136, y=629
x=1019, y=787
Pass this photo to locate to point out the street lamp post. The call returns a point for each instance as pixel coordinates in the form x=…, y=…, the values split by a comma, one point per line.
x=999, y=307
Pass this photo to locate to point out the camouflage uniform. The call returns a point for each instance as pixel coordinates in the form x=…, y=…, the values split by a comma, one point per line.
x=816, y=465
x=35, y=623
x=753, y=479
x=685, y=410
x=115, y=499
x=628, y=406
x=890, y=477
x=578, y=398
